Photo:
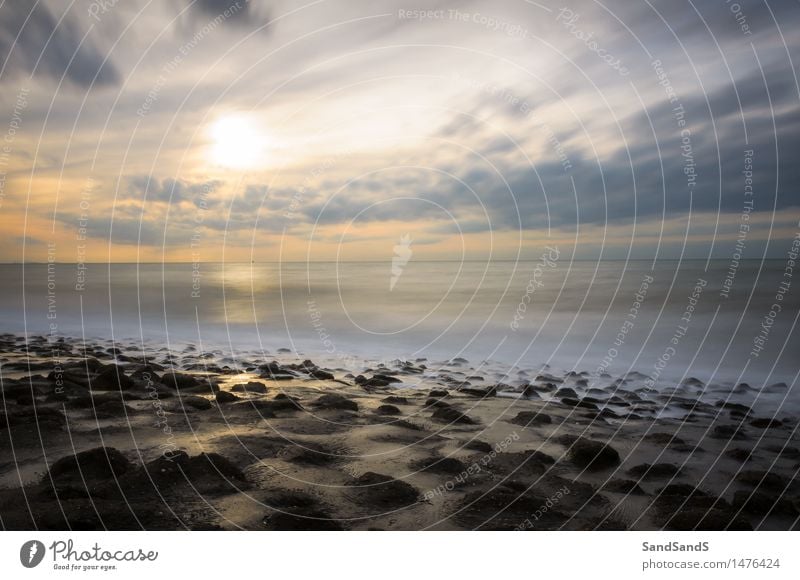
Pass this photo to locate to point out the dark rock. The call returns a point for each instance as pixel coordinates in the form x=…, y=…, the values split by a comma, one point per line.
x=438, y=394
x=664, y=439
x=729, y=432
x=593, y=455
x=762, y=504
x=334, y=401
x=763, y=480
x=95, y=464
x=382, y=492
x=388, y=410
x=197, y=402
x=374, y=382
x=395, y=400
x=480, y=393
x=179, y=380
x=526, y=418
x=435, y=403
x=450, y=415
x=387, y=378
x=739, y=454
x=321, y=375
x=623, y=486
x=743, y=409
x=226, y=397
x=38, y=417
x=569, y=401
x=112, y=378
x=766, y=423
x=566, y=392
x=250, y=387
x=657, y=470
x=478, y=445
x=444, y=465
x=530, y=392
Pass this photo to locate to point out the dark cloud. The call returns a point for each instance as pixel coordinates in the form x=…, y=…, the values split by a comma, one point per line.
x=35, y=42
x=148, y=188
x=241, y=13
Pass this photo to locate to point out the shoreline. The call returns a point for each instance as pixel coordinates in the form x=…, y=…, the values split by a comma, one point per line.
x=197, y=440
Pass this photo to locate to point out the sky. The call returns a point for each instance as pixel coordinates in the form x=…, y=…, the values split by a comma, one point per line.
x=213, y=130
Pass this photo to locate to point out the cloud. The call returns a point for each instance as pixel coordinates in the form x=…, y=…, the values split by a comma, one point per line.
x=36, y=43
x=168, y=190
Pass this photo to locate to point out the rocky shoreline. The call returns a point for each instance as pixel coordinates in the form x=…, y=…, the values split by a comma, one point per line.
x=118, y=436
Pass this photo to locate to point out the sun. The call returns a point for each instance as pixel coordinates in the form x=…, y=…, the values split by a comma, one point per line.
x=237, y=142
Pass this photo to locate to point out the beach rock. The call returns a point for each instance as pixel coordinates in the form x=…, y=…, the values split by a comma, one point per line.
x=684, y=507
x=450, y=415
x=381, y=492
x=762, y=504
x=374, y=382
x=314, y=454
x=38, y=417
x=438, y=394
x=626, y=486
x=250, y=387
x=334, y=401
x=110, y=408
x=571, y=402
x=387, y=378
x=566, y=392
x=739, y=454
x=530, y=392
x=226, y=397
x=529, y=463
x=664, y=439
x=443, y=465
x=480, y=393
x=395, y=400
x=112, y=378
x=763, y=480
x=196, y=402
x=776, y=388
x=545, y=388
x=526, y=418
x=478, y=445
x=766, y=423
x=692, y=382
x=297, y=511
x=729, y=432
x=95, y=464
x=657, y=470
x=784, y=451
x=593, y=455
x=744, y=409
x=179, y=380
x=707, y=520
x=508, y=506
x=203, y=469
x=388, y=410
x=321, y=375
x=435, y=403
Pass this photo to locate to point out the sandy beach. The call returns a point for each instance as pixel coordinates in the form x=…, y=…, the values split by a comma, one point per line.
x=106, y=436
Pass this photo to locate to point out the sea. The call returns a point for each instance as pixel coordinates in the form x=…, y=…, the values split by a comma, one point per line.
x=666, y=321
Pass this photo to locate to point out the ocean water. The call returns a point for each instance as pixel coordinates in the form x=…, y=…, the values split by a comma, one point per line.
x=669, y=320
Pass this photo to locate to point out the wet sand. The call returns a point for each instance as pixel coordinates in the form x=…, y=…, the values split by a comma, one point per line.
x=102, y=436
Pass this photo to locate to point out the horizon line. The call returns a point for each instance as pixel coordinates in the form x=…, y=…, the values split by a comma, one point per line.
x=38, y=263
